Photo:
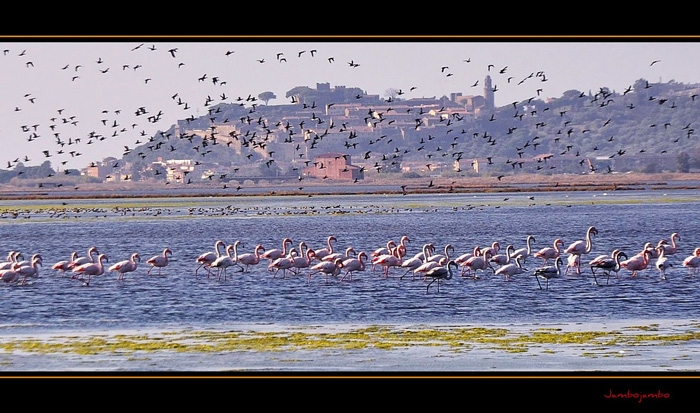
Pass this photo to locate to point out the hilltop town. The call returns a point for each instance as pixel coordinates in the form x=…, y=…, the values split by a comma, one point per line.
x=343, y=135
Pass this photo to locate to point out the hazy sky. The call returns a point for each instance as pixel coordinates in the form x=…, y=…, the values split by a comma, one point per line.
x=74, y=88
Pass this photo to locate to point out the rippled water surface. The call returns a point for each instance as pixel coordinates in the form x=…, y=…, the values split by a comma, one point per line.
x=191, y=226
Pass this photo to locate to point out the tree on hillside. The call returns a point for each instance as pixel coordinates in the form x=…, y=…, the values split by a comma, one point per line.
x=683, y=162
x=267, y=96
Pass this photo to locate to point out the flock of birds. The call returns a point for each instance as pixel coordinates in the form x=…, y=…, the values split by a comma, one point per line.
x=113, y=125
x=426, y=264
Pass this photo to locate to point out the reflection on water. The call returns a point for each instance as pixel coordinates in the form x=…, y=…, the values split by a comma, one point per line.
x=624, y=219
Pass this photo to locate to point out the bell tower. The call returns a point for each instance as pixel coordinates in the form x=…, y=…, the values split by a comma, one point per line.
x=488, y=93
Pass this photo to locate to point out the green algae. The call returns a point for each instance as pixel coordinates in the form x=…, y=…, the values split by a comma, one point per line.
x=386, y=338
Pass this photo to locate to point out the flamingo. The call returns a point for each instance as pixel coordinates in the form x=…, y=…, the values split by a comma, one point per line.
x=283, y=263
x=693, y=262
x=249, y=259
x=384, y=250
x=122, y=267
x=273, y=254
x=442, y=259
x=547, y=272
x=223, y=262
x=503, y=259
x=64, y=265
x=579, y=248
x=440, y=273
x=573, y=261
x=92, y=269
x=327, y=267
x=31, y=260
x=303, y=261
x=388, y=261
x=10, y=275
x=511, y=269
x=354, y=264
x=673, y=248
x=12, y=258
x=333, y=256
x=662, y=262
x=523, y=253
x=493, y=250
x=326, y=251
x=31, y=270
x=207, y=258
x=417, y=260
x=550, y=253
x=464, y=257
x=159, y=261
x=85, y=260
x=477, y=262
x=636, y=263
x=608, y=263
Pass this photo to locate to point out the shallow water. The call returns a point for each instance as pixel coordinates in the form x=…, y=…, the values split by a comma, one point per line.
x=189, y=227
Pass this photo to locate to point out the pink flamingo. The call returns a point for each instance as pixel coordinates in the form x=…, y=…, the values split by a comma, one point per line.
x=251, y=258
x=503, y=259
x=225, y=261
x=477, y=262
x=693, y=262
x=573, y=262
x=579, y=248
x=511, y=269
x=123, y=267
x=523, y=253
x=303, y=261
x=274, y=254
x=327, y=267
x=91, y=269
x=10, y=275
x=550, y=253
x=636, y=263
x=207, y=258
x=283, y=263
x=30, y=270
x=12, y=258
x=85, y=260
x=388, y=261
x=344, y=255
x=417, y=260
x=354, y=264
x=671, y=249
x=495, y=247
x=464, y=257
x=64, y=265
x=159, y=261
x=320, y=254
x=384, y=250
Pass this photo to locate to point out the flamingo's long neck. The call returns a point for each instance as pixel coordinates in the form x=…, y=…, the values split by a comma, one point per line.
x=556, y=247
x=589, y=244
x=529, y=248
x=426, y=252
x=235, y=251
x=330, y=246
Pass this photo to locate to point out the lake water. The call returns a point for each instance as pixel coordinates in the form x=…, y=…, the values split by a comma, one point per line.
x=190, y=226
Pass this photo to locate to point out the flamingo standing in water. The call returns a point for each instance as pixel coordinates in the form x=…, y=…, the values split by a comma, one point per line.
x=283, y=263
x=29, y=270
x=503, y=259
x=580, y=248
x=493, y=250
x=464, y=257
x=523, y=253
x=90, y=258
x=225, y=261
x=12, y=258
x=320, y=254
x=662, y=262
x=327, y=267
x=275, y=253
x=91, y=269
x=64, y=265
x=354, y=264
x=123, y=267
x=207, y=258
x=333, y=256
x=417, y=260
x=511, y=269
x=388, y=261
x=440, y=273
x=547, y=272
x=670, y=249
x=303, y=261
x=249, y=259
x=550, y=253
x=477, y=262
x=10, y=275
x=637, y=263
x=159, y=261
x=693, y=262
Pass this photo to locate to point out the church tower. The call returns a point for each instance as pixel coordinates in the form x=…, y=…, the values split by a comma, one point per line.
x=488, y=93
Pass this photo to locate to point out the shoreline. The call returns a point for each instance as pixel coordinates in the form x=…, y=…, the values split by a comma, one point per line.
x=517, y=183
